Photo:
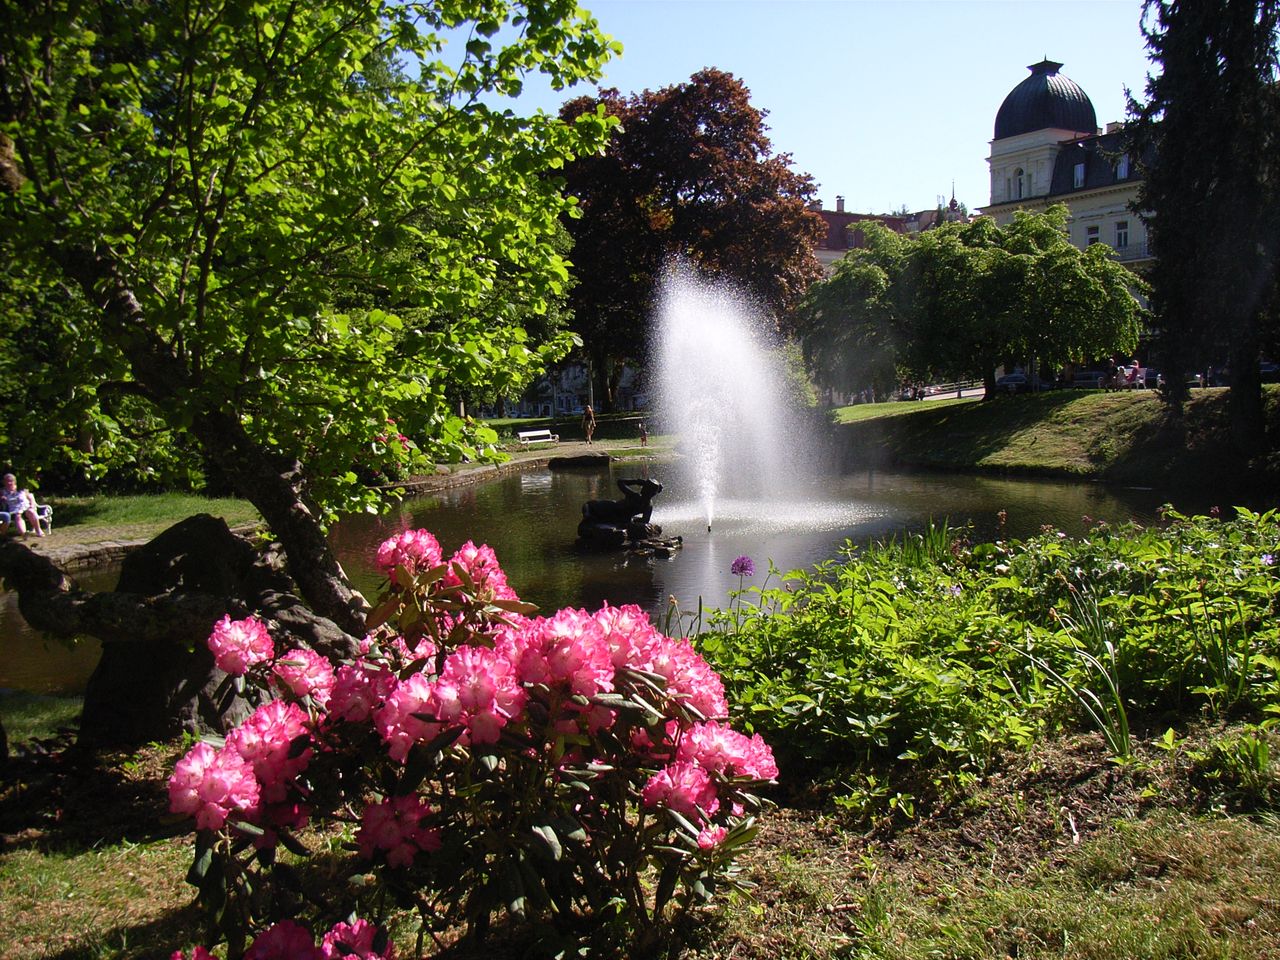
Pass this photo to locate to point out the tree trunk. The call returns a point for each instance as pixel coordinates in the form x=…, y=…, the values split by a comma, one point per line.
x=272, y=482
x=1244, y=401
x=988, y=382
x=156, y=676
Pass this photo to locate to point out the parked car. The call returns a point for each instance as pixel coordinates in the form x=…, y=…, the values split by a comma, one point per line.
x=1269, y=371
x=1013, y=383
x=1089, y=380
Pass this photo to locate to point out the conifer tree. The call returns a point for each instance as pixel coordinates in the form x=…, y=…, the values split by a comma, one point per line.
x=1208, y=138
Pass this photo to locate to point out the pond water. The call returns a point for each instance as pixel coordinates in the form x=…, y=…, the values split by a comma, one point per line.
x=530, y=519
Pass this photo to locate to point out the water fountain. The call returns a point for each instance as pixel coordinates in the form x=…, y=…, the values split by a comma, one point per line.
x=722, y=387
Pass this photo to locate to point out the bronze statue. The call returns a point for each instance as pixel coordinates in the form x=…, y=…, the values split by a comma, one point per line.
x=613, y=522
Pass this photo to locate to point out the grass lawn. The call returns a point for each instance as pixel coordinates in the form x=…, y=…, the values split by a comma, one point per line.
x=105, y=517
x=896, y=408
x=1127, y=437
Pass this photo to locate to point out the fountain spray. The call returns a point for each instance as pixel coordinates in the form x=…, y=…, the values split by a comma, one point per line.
x=721, y=387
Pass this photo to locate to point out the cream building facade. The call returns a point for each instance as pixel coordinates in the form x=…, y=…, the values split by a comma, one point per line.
x=1047, y=148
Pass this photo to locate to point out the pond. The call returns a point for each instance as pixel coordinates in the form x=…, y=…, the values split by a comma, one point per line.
x=530, y=519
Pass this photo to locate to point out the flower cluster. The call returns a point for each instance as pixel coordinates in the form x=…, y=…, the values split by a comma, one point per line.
x=395, y=828
x=417, y=550
x=239, y=644
x=594, y=720
x=290, y=940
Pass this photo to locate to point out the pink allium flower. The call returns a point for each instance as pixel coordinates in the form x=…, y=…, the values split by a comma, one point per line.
x=683, y=787
x=305, y=673
x=719, y=749
x=286, y=940
x=356, y=940
x=239, y=644
x=417, y=550
x=478, y=688
x=211, y=784
x=481, y=564
x=357, y=689
x=709, y=837
x=266, y=741
x=688, y=676
x=569, y=648
x=395, y=719
x=395, y=827
x=742, y=567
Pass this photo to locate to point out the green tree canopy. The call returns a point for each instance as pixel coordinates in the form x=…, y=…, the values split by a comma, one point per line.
x=274, y=227
x=959, y=300
x=690, y=174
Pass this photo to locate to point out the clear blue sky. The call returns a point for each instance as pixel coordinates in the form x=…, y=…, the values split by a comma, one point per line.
x=885, y=102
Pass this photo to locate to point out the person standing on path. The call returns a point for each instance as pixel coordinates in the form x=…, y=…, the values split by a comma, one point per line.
x=588, y=423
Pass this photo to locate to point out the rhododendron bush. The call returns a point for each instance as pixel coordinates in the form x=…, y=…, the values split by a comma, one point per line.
x=575, y=770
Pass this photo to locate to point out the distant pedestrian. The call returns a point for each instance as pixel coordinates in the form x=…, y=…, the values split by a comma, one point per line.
x=644, y=434
x=588, y=423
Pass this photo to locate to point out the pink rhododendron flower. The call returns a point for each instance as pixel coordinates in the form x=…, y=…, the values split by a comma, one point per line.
x=628, y=633
x=286, y=940
x=211, y=784
x=396, y=720
x=478, y=688
x=569, y=648
x=716, y=747
x=417, y=550
x=710, y=836
x=239, y=644
x=357, y=689
x=395, y=827
x=683, y=787
x=356, y=940
x=688, y=676
x=481, y=564
x=199, y=953
x=266, y=741
x=305, y=673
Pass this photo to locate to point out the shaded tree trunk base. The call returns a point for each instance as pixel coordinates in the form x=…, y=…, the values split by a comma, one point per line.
x=156, y=678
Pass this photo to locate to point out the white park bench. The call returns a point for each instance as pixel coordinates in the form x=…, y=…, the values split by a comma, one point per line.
x=537, y=436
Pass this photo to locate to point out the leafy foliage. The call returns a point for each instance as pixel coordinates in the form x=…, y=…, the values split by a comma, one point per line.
x=691, y=173
x=959, y=300
x=930, y=654
x=285, y=229
x=309, y=239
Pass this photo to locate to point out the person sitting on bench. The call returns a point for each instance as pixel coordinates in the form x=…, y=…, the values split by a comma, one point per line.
x=17, y=508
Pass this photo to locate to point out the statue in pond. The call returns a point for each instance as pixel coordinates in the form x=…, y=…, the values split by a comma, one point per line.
x=615, y=522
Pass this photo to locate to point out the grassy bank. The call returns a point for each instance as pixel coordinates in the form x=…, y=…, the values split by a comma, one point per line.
x=1119, y=437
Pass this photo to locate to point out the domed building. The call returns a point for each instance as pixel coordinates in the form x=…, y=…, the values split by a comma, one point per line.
x=1047, y=149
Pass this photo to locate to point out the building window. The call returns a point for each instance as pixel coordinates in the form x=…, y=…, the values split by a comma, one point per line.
x=1017, y=179
x=1122, y=234
x=1078, y=180
x=1090, y=236
x=1122, y=167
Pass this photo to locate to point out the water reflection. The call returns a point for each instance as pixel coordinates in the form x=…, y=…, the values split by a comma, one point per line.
x=530, y=519
x=30, y=662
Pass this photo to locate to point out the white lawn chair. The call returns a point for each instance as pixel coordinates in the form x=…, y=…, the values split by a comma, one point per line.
x=44, y=516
